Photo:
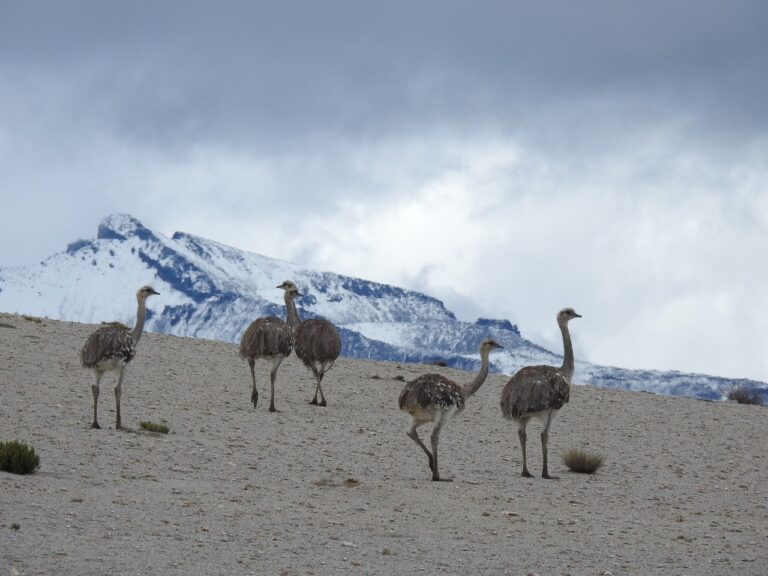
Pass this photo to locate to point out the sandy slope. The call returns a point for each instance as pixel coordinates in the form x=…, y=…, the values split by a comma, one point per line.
x=233, y=490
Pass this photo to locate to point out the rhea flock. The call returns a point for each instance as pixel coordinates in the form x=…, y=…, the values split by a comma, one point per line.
x=267, y=338
x=539, y=392
x=112, y=347
x=435, y=398
x=316, y=342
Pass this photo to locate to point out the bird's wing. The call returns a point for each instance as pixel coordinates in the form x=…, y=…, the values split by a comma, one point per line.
x=432, y=390
x=534, y=389
x=107, y=343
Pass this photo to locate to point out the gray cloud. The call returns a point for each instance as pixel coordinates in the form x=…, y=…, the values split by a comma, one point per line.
x=471, y=150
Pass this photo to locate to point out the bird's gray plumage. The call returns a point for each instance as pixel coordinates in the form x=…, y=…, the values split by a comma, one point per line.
x=316, y=342
x=112, y=347
x=432, y=389
x=540, y=391
x=435, y=398
x=108, y=343
x=534, y=389
x=267, y=338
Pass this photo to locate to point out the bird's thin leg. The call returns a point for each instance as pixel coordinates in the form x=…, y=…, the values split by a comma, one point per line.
x=435, y=439
x=414, y=435
x=95, y=389
x=273, y=375
x=118, y=394
x=522, y=435
x=254, y=392
x=320, y=375
x=544, y=441
x=318, y=378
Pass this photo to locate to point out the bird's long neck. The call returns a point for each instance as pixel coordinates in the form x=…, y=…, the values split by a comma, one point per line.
x=291, y=312
x=141, y=315
x=568, y=363
x=474, y=386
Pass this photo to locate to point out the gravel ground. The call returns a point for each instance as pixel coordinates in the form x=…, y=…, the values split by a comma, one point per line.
x=237, y=490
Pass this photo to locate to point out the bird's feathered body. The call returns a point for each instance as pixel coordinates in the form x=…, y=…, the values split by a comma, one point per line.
x=112, y=347
x=265, y=338
x=534, y=390
x=427, y=396
x=435, y=398
x=317, y=341
x=269, y=338
x=107, y=347
x=539, y=392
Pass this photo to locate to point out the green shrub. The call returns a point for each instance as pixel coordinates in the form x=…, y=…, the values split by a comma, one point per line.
x=152, y=427
x=18, y=458
x=580, y=461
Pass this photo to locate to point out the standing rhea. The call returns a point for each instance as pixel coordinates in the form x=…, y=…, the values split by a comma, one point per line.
x=111, y=348
x=540, y=391
x=316, y=341
x=435, y=398
x=268, y=338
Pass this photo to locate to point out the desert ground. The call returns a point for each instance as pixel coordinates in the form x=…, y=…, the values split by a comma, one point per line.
x=341, y=489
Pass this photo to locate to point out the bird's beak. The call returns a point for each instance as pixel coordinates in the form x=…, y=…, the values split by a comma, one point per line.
x=155, y=292
x=280, y=286
x=299, y=294
x=499, y=346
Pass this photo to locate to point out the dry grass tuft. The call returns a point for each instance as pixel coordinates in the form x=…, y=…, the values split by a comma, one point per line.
x=152, y=427
x=743, y=395
x=581, y=461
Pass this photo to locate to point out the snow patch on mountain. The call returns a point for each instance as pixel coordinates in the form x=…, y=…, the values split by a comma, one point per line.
x=210, y=290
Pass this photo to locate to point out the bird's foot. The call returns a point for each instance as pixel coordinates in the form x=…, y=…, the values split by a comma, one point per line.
x=548, y=477
x=526, y=474
x=323, y=403
x=95, y=425
x=255, y=399
x=313, y=401
x=273, y=409
x=438, y=479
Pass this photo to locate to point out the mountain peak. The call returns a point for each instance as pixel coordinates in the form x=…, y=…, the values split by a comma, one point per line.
x=122, y=227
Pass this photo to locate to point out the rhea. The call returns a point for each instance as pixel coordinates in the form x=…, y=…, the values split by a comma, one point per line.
x=539, y=392
x=112, y=347
x=267, y=338
x=435, y=398
x=316, y=341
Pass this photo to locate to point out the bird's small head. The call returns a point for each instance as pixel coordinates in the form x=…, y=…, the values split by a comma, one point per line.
x=290, y=288
x=145, y=292
x=567, y=314
x=489, y=344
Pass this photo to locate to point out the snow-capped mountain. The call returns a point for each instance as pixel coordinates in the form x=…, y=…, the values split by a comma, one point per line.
x=209, y=290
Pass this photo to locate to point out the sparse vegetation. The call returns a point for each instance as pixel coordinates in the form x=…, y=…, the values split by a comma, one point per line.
x=4, y=325
x=152, y=427
x=743, y=395
x=581, y=461
x=18, y=458
x=34, y=319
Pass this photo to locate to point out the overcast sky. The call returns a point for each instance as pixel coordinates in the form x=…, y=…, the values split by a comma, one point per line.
x=510, y=158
